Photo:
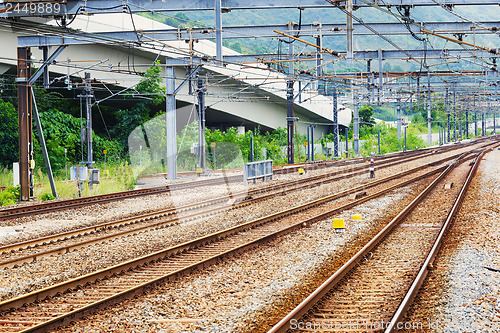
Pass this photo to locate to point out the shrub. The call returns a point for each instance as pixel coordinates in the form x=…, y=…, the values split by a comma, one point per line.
x=9, y=196
x=47, y=196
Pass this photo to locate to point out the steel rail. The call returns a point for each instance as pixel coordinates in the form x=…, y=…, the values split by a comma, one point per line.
x=422, y=274
x=160, y=256
x=174, y=219
x=46, y=207
x=299, y=311
x=49, y=240
x=53, y=206
x=204, y=203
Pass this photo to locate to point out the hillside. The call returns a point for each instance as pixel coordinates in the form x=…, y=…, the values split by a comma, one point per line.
x=253, y=45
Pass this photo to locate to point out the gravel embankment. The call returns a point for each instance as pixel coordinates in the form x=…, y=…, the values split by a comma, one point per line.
x=53, y=269
x=251, y=291
x=50, y=270
x=15, y=230
x=460, y=294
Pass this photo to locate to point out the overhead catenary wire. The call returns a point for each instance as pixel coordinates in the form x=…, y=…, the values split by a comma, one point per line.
x=241, y=71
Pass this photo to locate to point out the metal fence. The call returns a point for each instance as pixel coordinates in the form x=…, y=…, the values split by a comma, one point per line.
x=255, y=170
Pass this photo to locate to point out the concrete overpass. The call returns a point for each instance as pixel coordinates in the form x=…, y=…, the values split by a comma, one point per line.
x=236, y=96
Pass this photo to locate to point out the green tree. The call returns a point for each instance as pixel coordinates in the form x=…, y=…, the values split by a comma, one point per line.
x=397, y=68
x=236, y=47
x=8, y=133
x=62, y=131
x=365, y=116
x=129, y=119
x=151, y=84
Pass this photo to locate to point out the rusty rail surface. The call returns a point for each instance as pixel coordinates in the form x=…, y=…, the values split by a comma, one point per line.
x=12, y=255
x=320, y=295
x=74, y=298
x=52, y=206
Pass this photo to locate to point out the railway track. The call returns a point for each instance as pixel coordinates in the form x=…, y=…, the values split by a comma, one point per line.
x=60, y=304
x=13, y=255
x=372, y=291
x=52, y=206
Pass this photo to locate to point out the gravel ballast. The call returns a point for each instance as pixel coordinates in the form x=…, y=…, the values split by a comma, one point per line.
x=250, y=292
x=460, y=294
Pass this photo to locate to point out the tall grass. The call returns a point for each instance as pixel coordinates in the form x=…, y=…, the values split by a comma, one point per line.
x=120, y=178
x=6, y=177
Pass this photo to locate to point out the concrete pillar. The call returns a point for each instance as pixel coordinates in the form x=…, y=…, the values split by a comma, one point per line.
x=355, y=135
x=171, y=123
x=335, y=124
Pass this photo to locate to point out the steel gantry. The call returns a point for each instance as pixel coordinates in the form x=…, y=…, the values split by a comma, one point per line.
x=52, y=36
x=72, y=7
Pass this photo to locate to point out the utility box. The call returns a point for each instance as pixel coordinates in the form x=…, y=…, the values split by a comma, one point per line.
x=195, y=149
x=78, y=172
x=15, y=168
x=94, y=176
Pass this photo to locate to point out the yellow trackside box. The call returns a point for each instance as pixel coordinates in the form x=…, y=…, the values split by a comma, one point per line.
x=356, y=217
x=338, y=224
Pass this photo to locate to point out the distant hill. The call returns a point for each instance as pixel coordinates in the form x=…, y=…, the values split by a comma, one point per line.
x=334, y=15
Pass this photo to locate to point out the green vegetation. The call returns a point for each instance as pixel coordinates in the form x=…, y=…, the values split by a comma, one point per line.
x=9, y=196
x=8, y=133
x=6, y=177
x=47, y=196
x=62, y=132
x=386, y=113
x=178, y=20
x=389, y=142
x=272, y=143
x=142, y=111
x=366, y=116
x=120, y=178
